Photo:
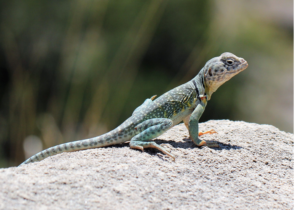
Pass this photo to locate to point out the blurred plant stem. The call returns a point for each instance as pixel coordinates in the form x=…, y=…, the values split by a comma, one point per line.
x=76, y=69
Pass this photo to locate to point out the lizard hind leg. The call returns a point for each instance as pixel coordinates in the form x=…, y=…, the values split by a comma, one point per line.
x=151, y=129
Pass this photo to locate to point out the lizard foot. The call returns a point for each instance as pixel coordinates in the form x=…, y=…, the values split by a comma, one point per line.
x=142, y=145
x=212, y=131
x=162, y=149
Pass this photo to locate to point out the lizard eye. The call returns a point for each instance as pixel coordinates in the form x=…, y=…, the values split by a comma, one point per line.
x=229, y=62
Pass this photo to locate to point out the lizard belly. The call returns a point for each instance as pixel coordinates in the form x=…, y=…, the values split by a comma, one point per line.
x=180, y=116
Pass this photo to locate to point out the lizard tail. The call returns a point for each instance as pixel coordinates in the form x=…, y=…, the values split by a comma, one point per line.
x=106, y=139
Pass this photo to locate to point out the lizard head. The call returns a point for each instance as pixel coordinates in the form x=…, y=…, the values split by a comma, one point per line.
x=220, y=69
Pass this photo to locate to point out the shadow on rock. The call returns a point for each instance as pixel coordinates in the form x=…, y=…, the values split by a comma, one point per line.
x=189, y=144
x=184, y=145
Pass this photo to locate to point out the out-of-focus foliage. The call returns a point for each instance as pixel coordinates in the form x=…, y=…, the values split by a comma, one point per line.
x=76, y=69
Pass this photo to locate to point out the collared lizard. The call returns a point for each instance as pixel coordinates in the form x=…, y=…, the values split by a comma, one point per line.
x=155, y=116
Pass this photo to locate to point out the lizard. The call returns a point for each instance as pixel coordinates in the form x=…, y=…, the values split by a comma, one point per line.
x=184, y=103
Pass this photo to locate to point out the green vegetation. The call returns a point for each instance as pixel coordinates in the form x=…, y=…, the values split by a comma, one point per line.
x=76, y=69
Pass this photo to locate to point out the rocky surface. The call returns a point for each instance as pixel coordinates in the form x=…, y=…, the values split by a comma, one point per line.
x=252, y=169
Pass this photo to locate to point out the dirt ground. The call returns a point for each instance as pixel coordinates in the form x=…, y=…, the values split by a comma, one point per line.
x=252, y=169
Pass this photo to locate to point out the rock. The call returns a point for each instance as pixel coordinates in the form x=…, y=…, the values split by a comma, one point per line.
x=252, y=169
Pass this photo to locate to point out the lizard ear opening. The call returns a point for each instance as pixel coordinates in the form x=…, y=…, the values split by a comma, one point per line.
x=209, y=72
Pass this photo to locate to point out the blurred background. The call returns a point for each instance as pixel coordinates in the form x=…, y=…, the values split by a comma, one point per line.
x=76, y=69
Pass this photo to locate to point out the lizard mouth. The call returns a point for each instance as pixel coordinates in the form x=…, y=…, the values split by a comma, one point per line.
x=244, y=64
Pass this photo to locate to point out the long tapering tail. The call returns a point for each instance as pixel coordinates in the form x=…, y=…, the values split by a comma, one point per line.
x=106, y=139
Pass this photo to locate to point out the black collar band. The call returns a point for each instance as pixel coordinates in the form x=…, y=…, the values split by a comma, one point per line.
x=197, y=90
x=203, y=83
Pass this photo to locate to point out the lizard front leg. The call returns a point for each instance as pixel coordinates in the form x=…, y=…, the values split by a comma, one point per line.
x=187, y=121
x=193, y=127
